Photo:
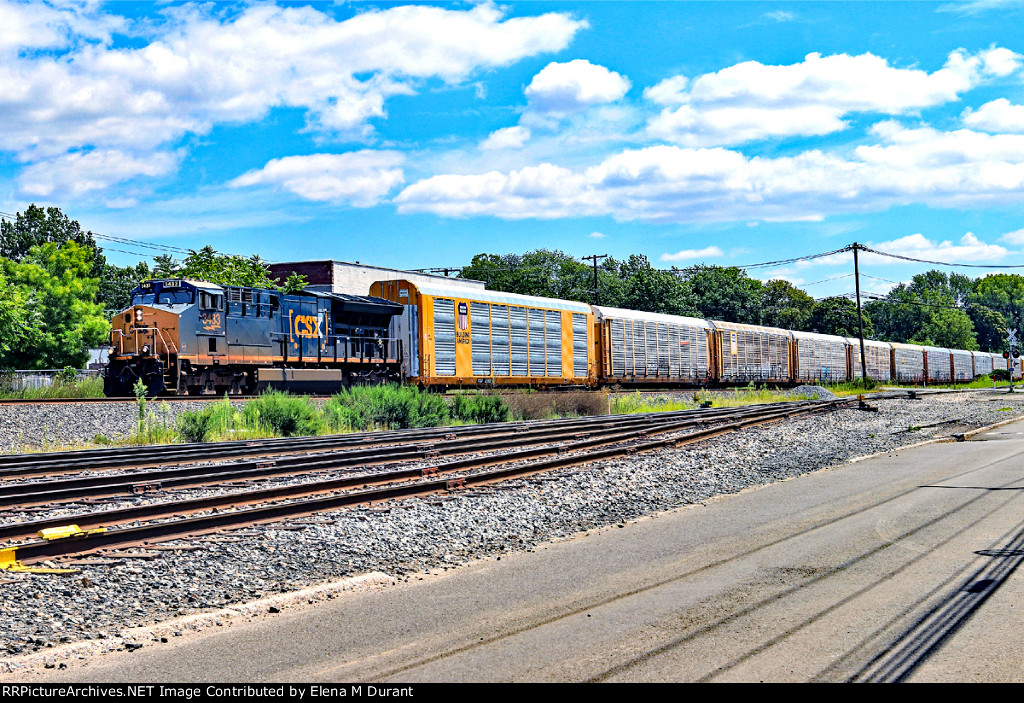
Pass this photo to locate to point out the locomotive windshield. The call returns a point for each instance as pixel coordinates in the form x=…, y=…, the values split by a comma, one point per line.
x=174, y=296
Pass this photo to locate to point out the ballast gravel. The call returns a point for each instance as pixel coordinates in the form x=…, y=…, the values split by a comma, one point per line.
x=404, y=539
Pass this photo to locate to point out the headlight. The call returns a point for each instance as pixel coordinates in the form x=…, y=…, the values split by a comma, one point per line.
x=145, y=350
x=138, y=315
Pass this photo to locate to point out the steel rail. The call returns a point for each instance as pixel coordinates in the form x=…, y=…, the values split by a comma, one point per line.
x=65, y=489
x=23, y=465
x=219, y=520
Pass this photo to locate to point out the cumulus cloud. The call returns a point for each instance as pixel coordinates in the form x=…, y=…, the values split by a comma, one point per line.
x=361, y=178
x=202, y=65
x=598, y=235
x=1015, y=237
x=574, y=86
x=679, y=184
x=687, y=254
x=751, y=100
x=81, y=172
x=996, y=116
x=507, y=138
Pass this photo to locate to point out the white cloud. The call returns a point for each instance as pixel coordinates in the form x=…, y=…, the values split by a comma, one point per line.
x=574, y=86
x=361, y=178
x=676, y=184
x=688, y=254
x=598, y=235
x=81, y=172
x=203, y=65
x=671, y=91
x=750, y=100
x=969, y=249
x=1015, y=237
x=996, y=116
x=507, y=138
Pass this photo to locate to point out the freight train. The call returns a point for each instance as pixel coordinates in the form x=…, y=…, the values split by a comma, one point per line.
x=190, y=337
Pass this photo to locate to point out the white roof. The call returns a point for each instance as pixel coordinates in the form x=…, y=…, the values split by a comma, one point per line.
x=739, y=327
x=602, y=311
x=817, y=335
x=910, y=347
x=855, y=341
x=499, y=297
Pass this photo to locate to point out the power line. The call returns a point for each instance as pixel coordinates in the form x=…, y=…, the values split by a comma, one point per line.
x=940, y=263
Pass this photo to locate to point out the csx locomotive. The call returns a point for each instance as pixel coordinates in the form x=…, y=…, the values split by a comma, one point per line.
x=189, y=337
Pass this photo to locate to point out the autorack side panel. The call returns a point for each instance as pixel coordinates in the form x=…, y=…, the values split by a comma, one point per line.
x=820, y=357
x=908, y=362
x=982, y=363
x=647, y=347
x=751, y=352
x=476, y=337
x=962, y=365
x=878, y=356
x=938, y=365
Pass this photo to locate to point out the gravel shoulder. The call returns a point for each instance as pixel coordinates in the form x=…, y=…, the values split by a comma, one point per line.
x=108, y=607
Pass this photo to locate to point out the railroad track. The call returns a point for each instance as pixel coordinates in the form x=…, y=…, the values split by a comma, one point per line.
x=522, y=450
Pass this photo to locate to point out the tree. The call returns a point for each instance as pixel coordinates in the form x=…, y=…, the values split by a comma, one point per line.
x=786, y=306
x=12, y=315
x=223, y=269
x=61, y=316
x=37, y=226
x=929, y=310
x=651, y=290
x=726, y=294
x=544, y=273
x=117, y=284
x=838, y=316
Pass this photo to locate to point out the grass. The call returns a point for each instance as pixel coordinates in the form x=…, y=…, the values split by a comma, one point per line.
x=638, y=402
x=277, y=414
x=85, y=388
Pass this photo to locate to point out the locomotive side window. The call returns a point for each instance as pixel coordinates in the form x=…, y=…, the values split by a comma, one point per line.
x=209, y=301
x=213, y=344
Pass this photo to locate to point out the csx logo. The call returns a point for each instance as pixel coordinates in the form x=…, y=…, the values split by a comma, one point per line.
x=306, y=326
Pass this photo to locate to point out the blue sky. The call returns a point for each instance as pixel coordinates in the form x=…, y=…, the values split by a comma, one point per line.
x=419, y=135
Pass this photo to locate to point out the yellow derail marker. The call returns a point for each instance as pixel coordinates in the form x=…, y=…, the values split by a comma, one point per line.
x=9, y=561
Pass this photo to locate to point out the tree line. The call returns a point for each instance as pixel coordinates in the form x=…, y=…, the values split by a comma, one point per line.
x=59, y=290
x=935, y=308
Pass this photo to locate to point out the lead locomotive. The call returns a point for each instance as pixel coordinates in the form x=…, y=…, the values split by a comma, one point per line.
x=189, y=337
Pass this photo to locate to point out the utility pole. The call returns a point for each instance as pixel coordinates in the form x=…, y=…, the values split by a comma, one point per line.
x=860, y=320
x=594, y=258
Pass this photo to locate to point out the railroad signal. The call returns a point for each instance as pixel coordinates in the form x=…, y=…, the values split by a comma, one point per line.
x=1006, y=355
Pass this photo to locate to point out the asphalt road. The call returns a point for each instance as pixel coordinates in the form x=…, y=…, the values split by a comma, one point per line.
x=899, y=567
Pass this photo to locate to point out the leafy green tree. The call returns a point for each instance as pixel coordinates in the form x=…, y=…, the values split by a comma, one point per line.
x=786, y=306
x=118, y=282
x=652, y=290
x=37, y=226
x=1003, y=293
x=838, y=316
x=223, y=269
x=12, y=315
x=929, y=310
x=61, y=316
x=989, y=326
x=544, y=273
x=724, y=293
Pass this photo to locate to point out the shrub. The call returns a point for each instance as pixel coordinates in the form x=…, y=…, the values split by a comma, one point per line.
x=385, y=407
x=480, y=408
x=284, y=415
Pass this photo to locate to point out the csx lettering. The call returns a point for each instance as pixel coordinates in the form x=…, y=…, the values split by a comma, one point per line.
x=306, y=326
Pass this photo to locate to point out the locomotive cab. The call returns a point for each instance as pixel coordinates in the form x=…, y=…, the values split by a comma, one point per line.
x=145, y=338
